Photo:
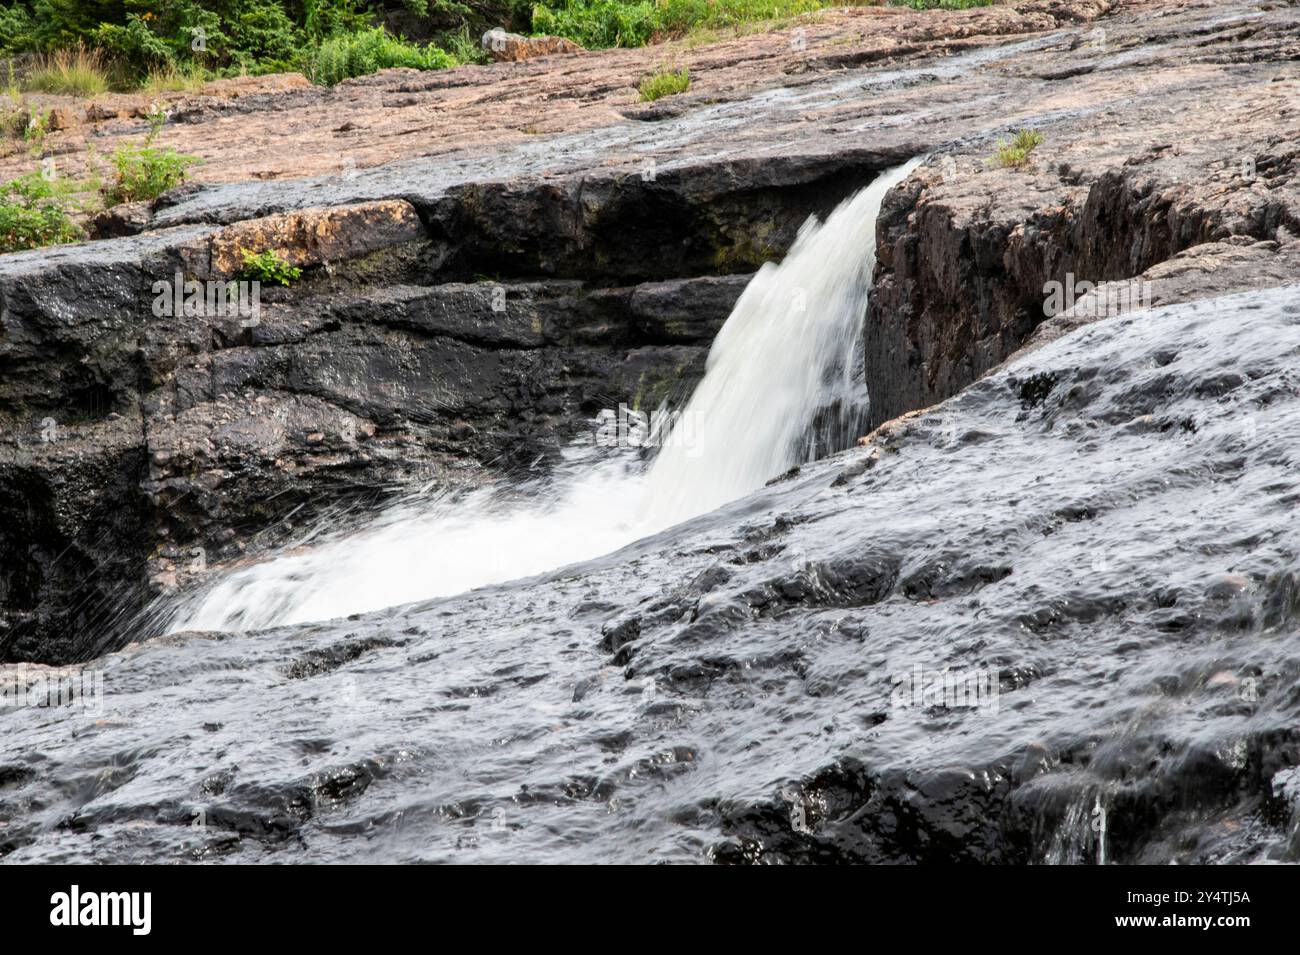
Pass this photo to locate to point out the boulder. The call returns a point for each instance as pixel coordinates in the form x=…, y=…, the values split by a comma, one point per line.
x=511, y=47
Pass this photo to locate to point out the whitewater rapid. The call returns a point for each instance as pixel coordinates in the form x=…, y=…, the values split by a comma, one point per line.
x=782, y=385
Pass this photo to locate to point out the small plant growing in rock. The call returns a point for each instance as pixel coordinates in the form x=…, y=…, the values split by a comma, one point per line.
x=34, y=212
x=1015, y=153
x=665, y=83
x=146, y=171
x=35, y=131
x=269, y=266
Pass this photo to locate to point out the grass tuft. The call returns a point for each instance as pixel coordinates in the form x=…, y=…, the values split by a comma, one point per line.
x=664, y=83
x=75, y=71
x=172, y=79
x=1015, y=153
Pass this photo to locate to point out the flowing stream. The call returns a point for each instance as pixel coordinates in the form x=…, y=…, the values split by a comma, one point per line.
x=781, y=387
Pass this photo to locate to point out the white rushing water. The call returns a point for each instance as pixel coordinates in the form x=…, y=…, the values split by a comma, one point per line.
x=785, y=356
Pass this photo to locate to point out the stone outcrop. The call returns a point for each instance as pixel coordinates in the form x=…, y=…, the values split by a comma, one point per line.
x=1167, y=197
x=506, y=47
x=141, y=451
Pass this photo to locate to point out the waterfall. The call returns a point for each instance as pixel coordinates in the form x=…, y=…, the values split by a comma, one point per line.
x=787, y=352
x=781, y=386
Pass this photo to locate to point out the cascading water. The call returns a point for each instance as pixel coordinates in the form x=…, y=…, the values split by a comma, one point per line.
x=780, y=388
x=786, y=353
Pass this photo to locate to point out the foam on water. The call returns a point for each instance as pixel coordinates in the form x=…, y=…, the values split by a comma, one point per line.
x=780, y=388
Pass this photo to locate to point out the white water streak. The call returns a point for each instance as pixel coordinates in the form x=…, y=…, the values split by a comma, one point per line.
x=786, y=352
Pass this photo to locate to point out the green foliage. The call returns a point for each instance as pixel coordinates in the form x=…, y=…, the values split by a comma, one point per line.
x=35, y=130
x=15, y=29
x=334, y=39
x=356, y=54
x=133, y=43
x=465, y=47
x=33, y=213
x=601, y=23
x=1015, y=152
x=268, y=266
x=145, y=172
x=665, y=83
x=596, y=23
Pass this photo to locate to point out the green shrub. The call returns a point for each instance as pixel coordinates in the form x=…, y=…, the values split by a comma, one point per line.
x=1014, y=153
x=268, y=266
x=145, y=172
x=664, y=83
x=601, y=23
x=33, y=213
x=356, y=54
x=598, y=23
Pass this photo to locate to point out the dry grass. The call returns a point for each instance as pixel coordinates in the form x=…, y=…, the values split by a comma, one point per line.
x=172, y=80
x=77, y=71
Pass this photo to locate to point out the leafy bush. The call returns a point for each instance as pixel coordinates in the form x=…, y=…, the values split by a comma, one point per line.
x=665, y=83
x=268, y=266
x=355, y=54
x=601, y=23
x=146, y=171
x=1016, y=152
x=597, y=23
x=132, y=43
x=33, y=213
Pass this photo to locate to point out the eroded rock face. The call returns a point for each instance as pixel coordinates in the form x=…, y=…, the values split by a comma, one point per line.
x=1159, y=193
x=146, y=443
x=315, y=237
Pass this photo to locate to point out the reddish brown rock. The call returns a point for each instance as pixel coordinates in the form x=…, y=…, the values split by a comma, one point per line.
x=511, y=47
x=316, y=236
